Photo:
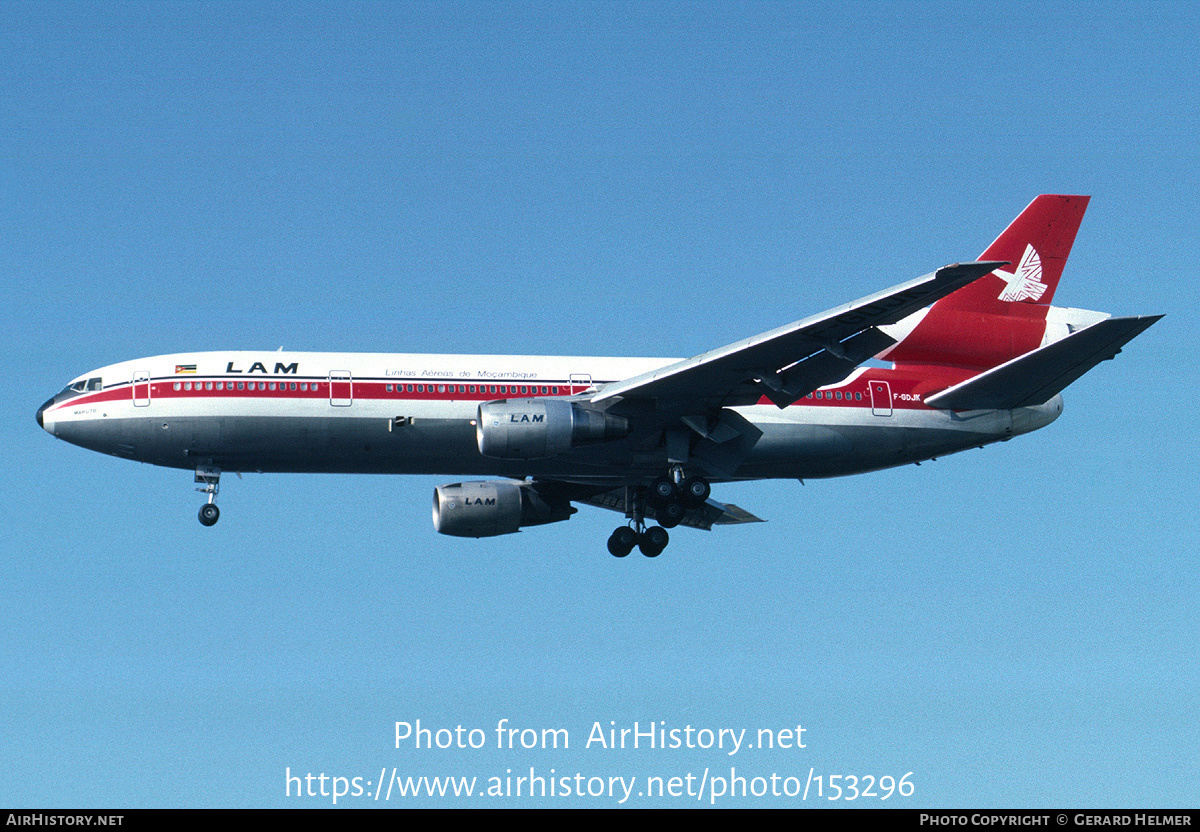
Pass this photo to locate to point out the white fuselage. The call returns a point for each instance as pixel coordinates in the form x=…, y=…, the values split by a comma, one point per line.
x=417, y=414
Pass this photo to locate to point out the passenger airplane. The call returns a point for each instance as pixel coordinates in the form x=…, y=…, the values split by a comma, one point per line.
x=642, y=436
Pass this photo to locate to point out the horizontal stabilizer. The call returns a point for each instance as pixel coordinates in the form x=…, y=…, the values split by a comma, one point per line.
x=1036, y=376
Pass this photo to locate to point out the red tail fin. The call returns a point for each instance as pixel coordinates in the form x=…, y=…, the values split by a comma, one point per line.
x=1002, y=315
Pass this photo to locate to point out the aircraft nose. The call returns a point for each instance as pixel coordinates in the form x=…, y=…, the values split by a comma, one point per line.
x=41, y=410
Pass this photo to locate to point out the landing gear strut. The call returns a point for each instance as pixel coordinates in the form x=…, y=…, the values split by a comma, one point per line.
x=210, y=476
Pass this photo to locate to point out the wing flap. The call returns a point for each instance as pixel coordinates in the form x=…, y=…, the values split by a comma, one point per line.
x=829, y=366
x=1036, y=376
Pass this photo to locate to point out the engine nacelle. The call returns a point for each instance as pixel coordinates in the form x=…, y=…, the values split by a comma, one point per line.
x=486, y=509
x=538, y=428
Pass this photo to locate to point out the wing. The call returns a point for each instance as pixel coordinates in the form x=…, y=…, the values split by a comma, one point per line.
x=790, y=362
x=704, y=517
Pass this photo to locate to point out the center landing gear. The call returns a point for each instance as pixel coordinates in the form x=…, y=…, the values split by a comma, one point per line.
x=210, y=476
x=672, y=496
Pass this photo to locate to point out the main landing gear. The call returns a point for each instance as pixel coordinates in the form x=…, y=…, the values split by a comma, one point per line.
x=650, y=540
x=210, y=476
x=671, y=497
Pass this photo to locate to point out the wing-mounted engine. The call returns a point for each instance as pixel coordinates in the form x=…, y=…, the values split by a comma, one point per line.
x=538, y=428
x=486, y=509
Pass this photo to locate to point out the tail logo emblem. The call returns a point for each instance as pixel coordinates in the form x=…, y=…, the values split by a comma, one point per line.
x=1026, y=282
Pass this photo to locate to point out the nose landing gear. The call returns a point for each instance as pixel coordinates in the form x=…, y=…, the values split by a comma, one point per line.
x=210, y=476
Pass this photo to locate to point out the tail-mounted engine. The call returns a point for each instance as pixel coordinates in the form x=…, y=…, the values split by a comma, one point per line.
x=486, y=509
x=537, y=428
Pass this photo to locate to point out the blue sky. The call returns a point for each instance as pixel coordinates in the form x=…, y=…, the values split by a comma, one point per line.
x=1015, y=626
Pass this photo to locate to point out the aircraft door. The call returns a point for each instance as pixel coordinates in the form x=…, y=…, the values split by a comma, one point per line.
x=341, y=388
x=881, y=398
x=141, y=388
x=580, y=382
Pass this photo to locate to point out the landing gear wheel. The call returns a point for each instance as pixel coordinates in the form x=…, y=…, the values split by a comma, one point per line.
x=209, y=514
x=695, y=491
x=662, y=491
x=653, y=541
x=670, y=515
x=622, y=541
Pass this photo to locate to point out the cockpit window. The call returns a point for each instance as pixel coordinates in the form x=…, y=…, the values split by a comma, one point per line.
x=84, y=385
